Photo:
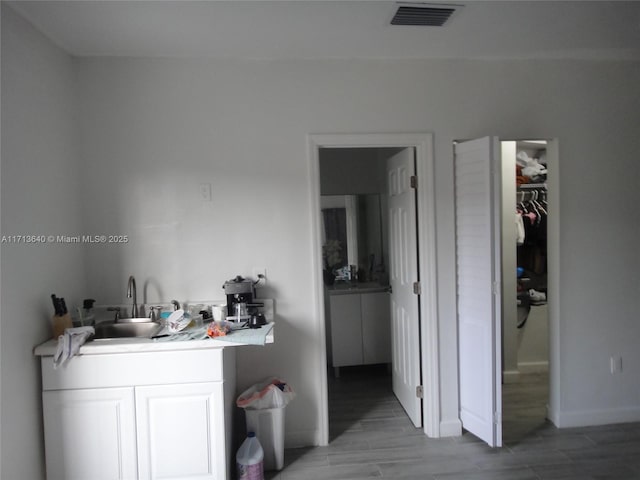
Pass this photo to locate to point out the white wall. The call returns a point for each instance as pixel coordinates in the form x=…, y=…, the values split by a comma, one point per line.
x=153, y=129
x=40, y=178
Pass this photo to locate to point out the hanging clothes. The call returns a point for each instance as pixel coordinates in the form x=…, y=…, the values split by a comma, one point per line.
x=532, y=252
x=519, y=229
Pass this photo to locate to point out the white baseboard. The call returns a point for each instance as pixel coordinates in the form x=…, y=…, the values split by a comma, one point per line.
x=510, y=376
x=451, y=428
x=533, y=367
x=302, y=438
x=588, y=418
x=513, y=376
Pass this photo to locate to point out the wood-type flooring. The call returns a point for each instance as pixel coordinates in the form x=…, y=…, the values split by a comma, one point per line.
x=371, y=437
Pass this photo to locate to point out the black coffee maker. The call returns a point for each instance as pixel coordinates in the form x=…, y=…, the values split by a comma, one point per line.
x=241, y=305
x=239, y=291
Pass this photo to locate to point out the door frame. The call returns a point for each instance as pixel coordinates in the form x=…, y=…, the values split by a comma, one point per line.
x=429, y=348
x=553, y=271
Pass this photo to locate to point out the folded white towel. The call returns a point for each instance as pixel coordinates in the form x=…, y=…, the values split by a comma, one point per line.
x=69, y=343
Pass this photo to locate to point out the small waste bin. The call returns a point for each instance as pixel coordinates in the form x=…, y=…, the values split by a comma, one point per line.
x=264, y=405
x=268, y=423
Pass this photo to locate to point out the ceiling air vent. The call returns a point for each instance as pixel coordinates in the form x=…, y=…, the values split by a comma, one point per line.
x=425, y=14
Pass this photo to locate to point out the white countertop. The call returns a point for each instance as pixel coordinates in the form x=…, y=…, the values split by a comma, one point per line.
x=352, y=288
x=134, y=345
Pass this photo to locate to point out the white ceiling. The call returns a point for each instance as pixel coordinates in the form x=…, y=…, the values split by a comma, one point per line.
x=337, y=29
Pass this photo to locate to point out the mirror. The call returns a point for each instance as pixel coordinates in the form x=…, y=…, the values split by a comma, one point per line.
x=355, y=234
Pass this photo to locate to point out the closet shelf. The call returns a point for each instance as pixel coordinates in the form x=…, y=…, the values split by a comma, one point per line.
x=532, y=185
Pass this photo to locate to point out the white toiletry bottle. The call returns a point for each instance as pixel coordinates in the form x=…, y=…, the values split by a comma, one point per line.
x=249, y=459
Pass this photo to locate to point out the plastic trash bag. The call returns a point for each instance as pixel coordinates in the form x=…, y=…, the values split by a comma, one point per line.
x=272, y=393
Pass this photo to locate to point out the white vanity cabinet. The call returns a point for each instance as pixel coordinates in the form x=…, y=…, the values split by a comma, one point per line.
x=346, y=330
x=376, y=328
x=140, y=415
x=90, y=433
x=181, y=431
x=360, y=328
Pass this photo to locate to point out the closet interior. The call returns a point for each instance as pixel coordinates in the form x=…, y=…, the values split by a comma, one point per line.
x=525, y=324
x=531, y=212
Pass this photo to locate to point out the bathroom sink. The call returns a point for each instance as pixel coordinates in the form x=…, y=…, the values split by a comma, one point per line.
x=135, y=320
x=123, y=329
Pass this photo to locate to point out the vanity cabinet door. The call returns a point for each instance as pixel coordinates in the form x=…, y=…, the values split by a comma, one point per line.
x=90, y=433
x=181, y=431
x=376, y=328
x=346, y=330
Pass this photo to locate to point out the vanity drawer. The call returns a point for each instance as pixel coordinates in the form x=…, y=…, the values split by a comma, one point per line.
x=141, y=368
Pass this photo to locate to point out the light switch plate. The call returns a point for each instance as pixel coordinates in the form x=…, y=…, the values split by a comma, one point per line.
x=616, y=364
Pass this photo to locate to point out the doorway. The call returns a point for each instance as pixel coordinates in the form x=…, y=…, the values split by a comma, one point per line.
x=525, y=318
x=428, y=354
x=370, y=257
x=488, y=279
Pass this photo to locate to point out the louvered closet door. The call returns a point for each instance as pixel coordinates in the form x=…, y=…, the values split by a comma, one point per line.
x=478, y=300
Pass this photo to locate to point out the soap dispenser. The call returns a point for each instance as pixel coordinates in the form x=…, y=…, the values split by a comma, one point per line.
x=88, y=317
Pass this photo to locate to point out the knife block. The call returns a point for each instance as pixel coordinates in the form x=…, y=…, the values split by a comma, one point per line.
x=60, y=323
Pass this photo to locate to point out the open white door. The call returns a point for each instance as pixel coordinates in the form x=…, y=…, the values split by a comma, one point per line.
x=478, y=258
x=403, y=259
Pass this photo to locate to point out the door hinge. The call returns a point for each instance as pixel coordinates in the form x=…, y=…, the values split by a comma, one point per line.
x=414, y=181
x=495, y=288
x=416, y=288
x=497, y=418
x=419, y=391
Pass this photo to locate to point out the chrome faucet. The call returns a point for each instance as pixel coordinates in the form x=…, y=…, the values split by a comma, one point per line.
x=131, y=293
x=176, y=304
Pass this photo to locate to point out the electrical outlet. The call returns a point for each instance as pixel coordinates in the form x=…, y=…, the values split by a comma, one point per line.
x=260, y=274
x=616, y=364
x=205, y=192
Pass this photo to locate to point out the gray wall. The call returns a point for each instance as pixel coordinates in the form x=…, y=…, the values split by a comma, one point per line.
x=40, y=196
x=153, y=129
x=173, y=122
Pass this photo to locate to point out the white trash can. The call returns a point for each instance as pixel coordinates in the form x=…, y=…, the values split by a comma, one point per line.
x=264, y=405
x=268, y=424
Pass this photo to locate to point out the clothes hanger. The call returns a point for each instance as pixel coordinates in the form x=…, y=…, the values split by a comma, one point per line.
x=532, y=202
x=544, y=198
x=540, y=207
